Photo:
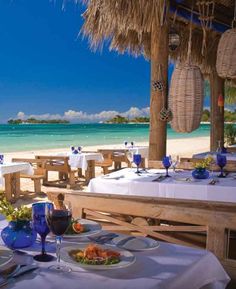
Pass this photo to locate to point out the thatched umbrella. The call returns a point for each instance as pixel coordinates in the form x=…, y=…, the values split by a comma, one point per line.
x=140, y=27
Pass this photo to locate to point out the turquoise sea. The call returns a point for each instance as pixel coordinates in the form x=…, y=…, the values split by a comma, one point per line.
x=43, y=136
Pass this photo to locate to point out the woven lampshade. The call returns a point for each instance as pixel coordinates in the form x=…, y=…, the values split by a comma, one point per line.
x=226, y=55
x=186, y=98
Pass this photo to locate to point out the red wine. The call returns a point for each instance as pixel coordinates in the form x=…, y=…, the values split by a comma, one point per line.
x=59, y=221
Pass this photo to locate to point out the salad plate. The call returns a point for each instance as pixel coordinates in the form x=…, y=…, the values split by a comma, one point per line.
x=78, y=256
x=6, y=256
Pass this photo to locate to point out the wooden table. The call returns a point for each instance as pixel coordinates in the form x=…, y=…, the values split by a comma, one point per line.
x=11, y=173
x=68, y=165
x=119, y=154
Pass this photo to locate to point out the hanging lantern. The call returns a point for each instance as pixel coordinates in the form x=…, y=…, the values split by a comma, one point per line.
x=174, y=39
x=226, y=55
x=221, y=102
x=186, y=93
x=186, y=98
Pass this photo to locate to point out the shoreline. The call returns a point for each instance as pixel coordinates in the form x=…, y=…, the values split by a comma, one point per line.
x=180, y=146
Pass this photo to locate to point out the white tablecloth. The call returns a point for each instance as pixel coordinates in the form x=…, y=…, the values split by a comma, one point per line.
x=80, y=160
x=229, y=156
x=168, y=267
x=174, y=187
x=8, y=168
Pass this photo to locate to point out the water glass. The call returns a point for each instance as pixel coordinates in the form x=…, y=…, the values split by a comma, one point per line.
x=58, y=222
x=175, y=162
x=40, y=226
x=137, y=159
x=1, y=159
x=166, y=161
x=221, y=162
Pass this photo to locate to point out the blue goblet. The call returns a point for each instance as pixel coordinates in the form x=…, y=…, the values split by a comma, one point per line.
x=79, y=149
x=132, y=143
x=166, y=161
x=137, y=159
x=41, y=227
x=221, y=162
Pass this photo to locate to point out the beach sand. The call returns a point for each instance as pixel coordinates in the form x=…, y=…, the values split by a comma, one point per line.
x=183, y=147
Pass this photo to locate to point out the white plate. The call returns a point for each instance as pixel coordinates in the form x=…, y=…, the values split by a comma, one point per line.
x=137, y=244
x=126, y=257
x=6, y=256
x=92, y=227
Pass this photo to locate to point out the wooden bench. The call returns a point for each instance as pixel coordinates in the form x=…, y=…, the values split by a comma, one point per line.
x=39, y=172
x=216, y=221
x=59, y=164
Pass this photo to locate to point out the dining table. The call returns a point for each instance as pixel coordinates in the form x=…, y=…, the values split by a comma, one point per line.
x=168, y=266
x=10, y=177
x=120, y=154
x=153, y=183
x=67, y=162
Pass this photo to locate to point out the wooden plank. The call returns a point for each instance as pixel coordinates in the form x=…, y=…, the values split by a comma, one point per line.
x=144, y=230
x=216, y=241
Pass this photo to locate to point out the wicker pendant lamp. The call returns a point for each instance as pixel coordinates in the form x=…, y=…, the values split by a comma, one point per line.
x=186, y=94
x=226, y=52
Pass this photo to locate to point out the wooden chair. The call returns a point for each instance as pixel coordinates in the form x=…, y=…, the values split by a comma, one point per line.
x=106, y=163
x=39, y=172
x=59, y=164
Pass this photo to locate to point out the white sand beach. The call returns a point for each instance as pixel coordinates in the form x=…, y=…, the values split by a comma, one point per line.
x=182, y=147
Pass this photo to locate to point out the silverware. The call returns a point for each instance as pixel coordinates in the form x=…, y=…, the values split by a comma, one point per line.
x=23, y=269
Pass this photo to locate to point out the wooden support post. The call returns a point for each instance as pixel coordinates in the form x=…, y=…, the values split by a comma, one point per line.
x=159, y=57
x=217, y=113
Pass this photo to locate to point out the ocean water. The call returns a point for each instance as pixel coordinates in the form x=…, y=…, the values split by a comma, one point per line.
x=43, y=136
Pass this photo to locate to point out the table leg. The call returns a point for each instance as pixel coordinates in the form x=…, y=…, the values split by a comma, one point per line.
x=90, y=172
x=12, y=186
x=143, y=163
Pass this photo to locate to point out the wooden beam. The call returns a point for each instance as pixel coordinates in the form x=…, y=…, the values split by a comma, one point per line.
x=159, y=57
x=217, y=113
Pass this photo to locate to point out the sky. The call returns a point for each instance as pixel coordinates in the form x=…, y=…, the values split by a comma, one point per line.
x=48, y=71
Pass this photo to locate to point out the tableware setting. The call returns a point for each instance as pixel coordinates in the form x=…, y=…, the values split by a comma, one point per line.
x=137, y=159
x=1, y=159
x=97, y=257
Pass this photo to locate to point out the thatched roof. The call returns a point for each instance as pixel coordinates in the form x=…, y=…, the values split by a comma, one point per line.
x=127, y=24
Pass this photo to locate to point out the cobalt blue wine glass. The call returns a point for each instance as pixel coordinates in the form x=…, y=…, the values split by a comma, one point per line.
x=72, y=148
x=125, y=143
x=41, y=227
x=132, y=143
x=166, y=161
x=137, y=159
x=79, y=149
x=221, y=162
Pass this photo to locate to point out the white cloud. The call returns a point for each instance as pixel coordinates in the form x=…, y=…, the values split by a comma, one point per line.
x=80, y=116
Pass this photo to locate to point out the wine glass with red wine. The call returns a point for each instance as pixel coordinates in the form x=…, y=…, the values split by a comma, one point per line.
x=58, y=222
